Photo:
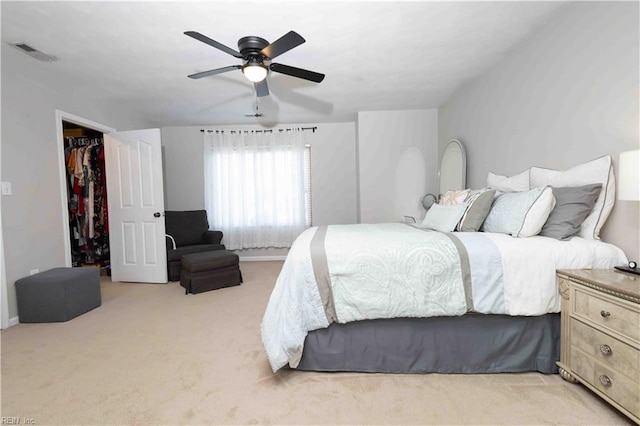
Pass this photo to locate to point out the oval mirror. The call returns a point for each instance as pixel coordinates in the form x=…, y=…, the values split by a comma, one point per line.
x=453, y=167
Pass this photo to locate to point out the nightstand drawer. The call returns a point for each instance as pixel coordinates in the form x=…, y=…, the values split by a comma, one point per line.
x=618, y=387
x=600, y=310
x=606, y=350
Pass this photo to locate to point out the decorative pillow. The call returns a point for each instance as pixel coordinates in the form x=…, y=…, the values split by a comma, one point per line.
x=599, y=171
x=516, y=183
x=478, y=206
x=443, y=218
x=520, y=214
x=454, y=197
x=573, y=205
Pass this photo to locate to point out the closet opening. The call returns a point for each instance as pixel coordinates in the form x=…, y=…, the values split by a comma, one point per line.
x=86, y=196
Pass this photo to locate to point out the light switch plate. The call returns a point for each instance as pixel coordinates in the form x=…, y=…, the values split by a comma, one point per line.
x=6, y=188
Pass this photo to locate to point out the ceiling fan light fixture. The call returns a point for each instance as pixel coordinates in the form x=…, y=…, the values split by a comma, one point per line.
x=255, y=72
x=257, y=56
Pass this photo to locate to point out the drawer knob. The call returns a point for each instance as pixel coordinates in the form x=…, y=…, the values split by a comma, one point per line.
x=605, y=380
x=606, y=350
x=605, y=314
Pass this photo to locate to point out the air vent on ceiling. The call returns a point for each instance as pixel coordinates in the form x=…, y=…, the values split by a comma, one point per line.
x=34, y=53
x=25, y=47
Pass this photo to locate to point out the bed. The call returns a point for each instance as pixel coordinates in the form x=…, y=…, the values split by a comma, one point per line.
x=397, y=298
x=429, y=298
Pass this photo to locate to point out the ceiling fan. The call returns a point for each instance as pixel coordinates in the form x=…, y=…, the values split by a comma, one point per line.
x=256, y=54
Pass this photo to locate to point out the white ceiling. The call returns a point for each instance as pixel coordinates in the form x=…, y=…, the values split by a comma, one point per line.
x=376, y=55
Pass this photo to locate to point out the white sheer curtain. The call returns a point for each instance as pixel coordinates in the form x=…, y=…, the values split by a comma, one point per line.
x=254, y=187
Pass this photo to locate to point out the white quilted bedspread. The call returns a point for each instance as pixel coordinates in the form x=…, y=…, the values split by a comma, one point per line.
x=395, y=270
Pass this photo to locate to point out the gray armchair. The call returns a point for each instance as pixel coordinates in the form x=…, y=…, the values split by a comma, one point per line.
x=188, y=232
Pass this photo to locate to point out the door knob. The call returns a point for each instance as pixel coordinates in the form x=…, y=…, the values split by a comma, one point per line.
x=157, y=214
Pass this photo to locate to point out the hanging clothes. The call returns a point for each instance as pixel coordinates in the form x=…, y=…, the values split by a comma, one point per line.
x=87, y=201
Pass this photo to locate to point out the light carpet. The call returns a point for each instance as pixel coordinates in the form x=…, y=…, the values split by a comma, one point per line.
x=152, y=355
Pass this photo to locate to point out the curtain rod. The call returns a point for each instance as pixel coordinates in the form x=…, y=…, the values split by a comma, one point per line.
x=313, y=129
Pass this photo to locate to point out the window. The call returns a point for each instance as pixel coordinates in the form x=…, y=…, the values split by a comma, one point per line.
x=258, y=187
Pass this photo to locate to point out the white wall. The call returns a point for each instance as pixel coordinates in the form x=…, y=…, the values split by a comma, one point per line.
x=566, y=95
x=182, y=155
x=333, y=172
x=32, y=217
x=397, y=163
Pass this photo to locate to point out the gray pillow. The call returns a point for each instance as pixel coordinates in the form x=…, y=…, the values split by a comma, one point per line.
x=477, y=211
x=573, y=205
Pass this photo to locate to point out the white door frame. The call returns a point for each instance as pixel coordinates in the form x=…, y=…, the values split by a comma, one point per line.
x=60, y=117
x=4, y=303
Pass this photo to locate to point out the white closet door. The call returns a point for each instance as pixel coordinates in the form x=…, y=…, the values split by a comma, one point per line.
x=136, y=206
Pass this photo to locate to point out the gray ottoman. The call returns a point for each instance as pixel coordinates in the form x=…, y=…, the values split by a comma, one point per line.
x=58, y=294
x=209, y=270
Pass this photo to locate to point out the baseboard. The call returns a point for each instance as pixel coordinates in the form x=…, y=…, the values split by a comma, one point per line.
x=13, y=321
x=261, y=258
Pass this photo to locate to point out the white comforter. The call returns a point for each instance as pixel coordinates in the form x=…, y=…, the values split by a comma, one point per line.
x=395, y=270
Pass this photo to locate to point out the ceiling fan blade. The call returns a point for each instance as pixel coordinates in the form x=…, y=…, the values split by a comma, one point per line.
x=214, y=72
x=213, y=43
x=262, y=88
x=297, y=72
x=283, y=44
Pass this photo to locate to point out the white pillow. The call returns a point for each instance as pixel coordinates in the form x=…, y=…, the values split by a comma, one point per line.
x=600, y=171
x=443, y=218
x=516, y=183
x=520, y=214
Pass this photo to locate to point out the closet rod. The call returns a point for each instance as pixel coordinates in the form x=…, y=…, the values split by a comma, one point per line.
x=313, y=129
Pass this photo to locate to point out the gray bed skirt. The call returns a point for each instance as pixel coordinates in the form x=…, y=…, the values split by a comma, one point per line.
x=471, y=343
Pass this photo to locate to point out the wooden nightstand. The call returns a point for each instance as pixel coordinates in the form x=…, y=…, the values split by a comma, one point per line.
x=600, y=343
